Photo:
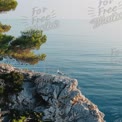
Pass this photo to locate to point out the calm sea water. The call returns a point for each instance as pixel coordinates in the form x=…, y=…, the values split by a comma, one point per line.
x=93, y=56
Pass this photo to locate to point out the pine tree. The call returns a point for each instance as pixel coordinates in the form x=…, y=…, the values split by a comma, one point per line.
x=6, y=5
x=20, y=48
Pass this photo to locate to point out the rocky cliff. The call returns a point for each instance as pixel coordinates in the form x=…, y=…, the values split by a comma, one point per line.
x=57, y=97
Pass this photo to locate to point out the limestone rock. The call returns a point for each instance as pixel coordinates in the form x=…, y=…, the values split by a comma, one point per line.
x=57, y=96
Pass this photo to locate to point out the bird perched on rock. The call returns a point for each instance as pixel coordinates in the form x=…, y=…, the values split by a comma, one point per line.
x=60, y=73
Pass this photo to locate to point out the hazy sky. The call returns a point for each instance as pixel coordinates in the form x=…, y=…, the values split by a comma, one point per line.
x=65, y=9
x=71, y=9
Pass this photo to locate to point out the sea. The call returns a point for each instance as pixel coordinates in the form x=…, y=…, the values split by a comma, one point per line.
x=93, y=56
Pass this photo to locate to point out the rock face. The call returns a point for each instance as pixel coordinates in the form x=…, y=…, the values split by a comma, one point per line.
x=57, y=96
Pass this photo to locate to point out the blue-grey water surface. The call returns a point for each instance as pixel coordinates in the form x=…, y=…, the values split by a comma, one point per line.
x=93, y=56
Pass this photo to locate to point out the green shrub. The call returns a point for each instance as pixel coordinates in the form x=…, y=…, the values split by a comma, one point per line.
x=1, y=90
x=13, y=83
x=17, y=116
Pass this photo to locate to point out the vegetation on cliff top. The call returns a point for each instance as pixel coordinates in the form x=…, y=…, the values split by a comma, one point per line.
x=11, y=83
x=26, y=116
x=20, y=48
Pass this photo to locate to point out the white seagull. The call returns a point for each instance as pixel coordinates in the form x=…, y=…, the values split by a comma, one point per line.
x=60, y=73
